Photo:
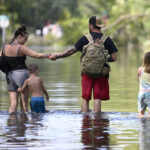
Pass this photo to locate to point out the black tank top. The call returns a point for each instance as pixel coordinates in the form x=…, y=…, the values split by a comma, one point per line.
x=16, y=63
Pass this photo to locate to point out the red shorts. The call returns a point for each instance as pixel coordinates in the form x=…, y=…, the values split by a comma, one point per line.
x=100, y=87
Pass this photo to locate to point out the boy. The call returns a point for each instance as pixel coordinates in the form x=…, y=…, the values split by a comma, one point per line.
x=36, y=87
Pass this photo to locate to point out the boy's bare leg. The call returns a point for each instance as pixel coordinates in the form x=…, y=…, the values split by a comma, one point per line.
x=149, y=114
x=97, y=106
x=85, y=105
x=141, y=114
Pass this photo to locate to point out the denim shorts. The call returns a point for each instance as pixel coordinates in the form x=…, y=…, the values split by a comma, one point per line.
x=37, y=104
x=143, y=101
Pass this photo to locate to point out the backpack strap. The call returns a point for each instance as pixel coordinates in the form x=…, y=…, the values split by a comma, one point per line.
x=103, y=38
x=89, y=37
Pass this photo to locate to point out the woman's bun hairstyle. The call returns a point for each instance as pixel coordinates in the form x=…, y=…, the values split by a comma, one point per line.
x=23, y=27
x=21, y=31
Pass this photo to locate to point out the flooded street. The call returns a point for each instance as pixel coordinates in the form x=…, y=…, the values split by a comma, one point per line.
x=64, y=127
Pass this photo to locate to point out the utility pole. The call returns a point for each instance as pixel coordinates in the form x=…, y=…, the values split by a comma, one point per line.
x=4, y=23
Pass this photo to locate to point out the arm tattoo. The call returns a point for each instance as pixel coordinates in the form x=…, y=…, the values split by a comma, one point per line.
x=67, y=52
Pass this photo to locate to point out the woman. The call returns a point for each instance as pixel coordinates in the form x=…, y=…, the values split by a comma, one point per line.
x=15, y=53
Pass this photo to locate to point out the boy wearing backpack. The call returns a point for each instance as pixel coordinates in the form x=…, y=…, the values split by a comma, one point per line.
x=97, y=50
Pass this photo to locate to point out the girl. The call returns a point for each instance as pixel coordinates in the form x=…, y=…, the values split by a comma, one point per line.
x=144, y=86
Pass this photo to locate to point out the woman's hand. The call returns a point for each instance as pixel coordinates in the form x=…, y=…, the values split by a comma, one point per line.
x=53, y=56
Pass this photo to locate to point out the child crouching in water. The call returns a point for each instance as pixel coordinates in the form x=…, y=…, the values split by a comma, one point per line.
x=36, y=87
x=144, y=86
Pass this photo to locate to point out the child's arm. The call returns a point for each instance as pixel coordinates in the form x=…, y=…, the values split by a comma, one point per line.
x=21, y=89
x=139, y=72
x=44, y=90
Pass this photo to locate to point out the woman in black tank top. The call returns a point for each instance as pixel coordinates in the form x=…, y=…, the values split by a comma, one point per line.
x=15, y=63
x=15, y=53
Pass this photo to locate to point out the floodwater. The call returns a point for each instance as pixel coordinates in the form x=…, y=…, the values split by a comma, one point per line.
x=64, y=127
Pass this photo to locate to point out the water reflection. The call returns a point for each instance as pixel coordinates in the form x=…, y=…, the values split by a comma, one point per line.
x=16, y=127
x=94, y=132
x=34, y=125
x=71, y=130
x=144, y=134
x=15, y=135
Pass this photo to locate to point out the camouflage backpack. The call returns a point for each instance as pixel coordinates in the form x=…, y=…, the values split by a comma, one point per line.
x=94, y=59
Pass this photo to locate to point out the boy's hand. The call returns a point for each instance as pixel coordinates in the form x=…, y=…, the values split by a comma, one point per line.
x=19, y=89
x=47, y=98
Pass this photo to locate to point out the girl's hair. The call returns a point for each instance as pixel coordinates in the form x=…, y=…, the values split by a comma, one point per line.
x=146, y=62
x=20, y=31
x=32, y=68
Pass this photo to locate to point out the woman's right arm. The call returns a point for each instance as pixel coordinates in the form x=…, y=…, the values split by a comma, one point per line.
x=28, y=52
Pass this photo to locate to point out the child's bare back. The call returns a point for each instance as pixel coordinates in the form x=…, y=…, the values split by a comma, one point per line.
x=35, y=86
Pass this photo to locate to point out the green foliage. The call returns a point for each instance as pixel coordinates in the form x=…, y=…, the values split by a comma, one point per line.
x=37, y=13
x=126, y=18
x=73, y=27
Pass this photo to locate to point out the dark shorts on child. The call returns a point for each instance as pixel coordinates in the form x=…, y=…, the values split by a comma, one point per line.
x=99, y=86
x=37, y=104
